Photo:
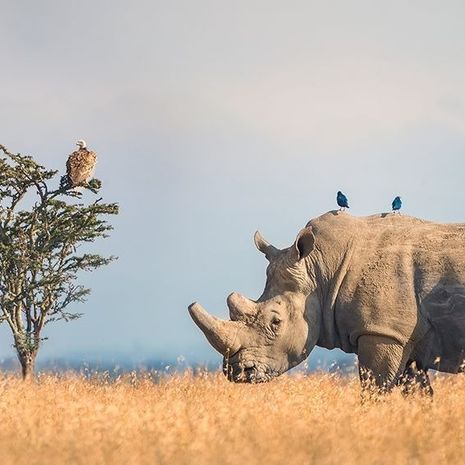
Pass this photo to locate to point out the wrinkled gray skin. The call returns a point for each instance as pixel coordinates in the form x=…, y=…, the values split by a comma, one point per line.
x=389, y=288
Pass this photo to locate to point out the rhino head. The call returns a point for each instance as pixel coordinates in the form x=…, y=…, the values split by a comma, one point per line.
x=266, y=337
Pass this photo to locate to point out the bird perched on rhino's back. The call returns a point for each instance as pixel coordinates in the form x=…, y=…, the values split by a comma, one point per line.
x=396, y=204
x=342, y=200
x=80, y=166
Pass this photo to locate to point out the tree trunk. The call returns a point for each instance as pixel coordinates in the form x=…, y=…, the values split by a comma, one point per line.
x=27, y=361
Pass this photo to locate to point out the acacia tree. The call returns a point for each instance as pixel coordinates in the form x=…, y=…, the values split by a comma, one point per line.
x=41, y=231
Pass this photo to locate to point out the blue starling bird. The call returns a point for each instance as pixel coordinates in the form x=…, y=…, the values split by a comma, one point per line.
x=342, y=201
x=396, y=204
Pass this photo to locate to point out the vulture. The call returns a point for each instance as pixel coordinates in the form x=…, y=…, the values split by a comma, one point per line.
x=80, y=166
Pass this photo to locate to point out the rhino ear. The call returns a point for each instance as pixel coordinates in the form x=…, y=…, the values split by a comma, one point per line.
x=264, y=247
x=304, y=243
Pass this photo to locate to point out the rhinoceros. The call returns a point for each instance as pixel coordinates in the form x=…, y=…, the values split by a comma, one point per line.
x=386, y=287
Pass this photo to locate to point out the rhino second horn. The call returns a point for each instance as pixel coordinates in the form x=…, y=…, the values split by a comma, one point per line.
x=221, y=334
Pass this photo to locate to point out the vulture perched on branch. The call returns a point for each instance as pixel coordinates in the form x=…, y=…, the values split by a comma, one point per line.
x=80, y=167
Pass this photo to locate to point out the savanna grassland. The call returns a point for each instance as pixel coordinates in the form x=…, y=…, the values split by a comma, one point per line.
x=204, y=419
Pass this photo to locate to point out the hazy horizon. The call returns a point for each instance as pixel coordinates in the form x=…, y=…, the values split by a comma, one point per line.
x=214, y=119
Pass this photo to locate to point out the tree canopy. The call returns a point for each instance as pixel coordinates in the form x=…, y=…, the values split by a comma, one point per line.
x=42, y=231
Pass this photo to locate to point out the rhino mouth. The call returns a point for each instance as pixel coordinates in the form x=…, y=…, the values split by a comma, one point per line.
x=247, y=372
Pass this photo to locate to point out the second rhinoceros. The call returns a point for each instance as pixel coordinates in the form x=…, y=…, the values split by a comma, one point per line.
x=389, y=288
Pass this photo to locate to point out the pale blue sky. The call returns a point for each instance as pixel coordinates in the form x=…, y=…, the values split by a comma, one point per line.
x=212, y=119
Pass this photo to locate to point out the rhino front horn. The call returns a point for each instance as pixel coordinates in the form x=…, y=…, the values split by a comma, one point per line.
x=222, y=335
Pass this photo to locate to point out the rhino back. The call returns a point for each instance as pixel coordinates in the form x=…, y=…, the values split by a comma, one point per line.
x=405, y=278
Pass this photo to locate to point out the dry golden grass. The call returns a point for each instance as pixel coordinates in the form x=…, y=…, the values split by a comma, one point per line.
x=315, y=419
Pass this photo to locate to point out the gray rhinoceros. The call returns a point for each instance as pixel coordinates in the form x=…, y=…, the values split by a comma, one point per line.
x=389, y=288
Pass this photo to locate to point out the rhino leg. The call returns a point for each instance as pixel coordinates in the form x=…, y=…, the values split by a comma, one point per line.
x=381, y=363
x=415, y=379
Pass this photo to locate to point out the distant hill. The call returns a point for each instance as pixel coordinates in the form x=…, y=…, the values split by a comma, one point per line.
x=326, y=361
